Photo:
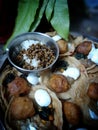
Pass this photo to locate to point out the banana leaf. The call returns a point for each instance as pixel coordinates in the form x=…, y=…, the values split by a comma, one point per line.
x=39, y=14
x=49, y=9
x=60, y=18
x=25, y=16
x=30, y=13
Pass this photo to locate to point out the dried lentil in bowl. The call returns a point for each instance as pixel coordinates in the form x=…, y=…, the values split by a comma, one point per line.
x=37, y=56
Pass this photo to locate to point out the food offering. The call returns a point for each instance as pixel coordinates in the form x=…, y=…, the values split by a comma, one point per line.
x=29, y=107
x=32, y=52
x=63, y=97
x=34, y=55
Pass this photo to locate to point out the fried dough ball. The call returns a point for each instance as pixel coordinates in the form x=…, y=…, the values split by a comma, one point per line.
x=93, y=91
x=84, y=48
x=59, y=83
x=72, y=112
x=21, y=108
x=18, y=86
x=62, y=46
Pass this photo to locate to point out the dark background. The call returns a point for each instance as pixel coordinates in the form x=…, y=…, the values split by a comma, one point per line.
x=84, y=16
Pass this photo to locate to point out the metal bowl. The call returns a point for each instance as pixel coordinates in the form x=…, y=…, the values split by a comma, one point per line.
x=15, y=47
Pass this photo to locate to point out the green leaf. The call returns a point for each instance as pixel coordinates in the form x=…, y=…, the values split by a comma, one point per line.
x=60, y=19
x=25, y=16
x=49, y=9
x=39, y=14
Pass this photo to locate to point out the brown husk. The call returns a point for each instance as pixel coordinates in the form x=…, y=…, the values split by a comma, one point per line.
x=56, y=103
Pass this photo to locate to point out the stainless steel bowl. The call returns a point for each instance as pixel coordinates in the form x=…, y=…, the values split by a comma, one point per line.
x=15, y=47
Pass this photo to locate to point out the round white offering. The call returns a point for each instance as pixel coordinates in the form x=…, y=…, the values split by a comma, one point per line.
x=72, y=72
x=42, y=98
x=33, y=79
x=93, y=55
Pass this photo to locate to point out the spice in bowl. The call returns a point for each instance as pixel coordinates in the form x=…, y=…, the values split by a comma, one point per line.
x=35, y=55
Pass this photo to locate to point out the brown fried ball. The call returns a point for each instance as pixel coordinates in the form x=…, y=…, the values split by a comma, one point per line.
x=18, y=86
x=72, y=113
x=63, y=46
x=59, y=83
x=22, y=108
x=93, y=91
x=84, y=47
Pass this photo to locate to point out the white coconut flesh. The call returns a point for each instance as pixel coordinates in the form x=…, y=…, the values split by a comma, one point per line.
x=93, y=55
x=42, y=98
x=33, y=78
x=72, y=72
